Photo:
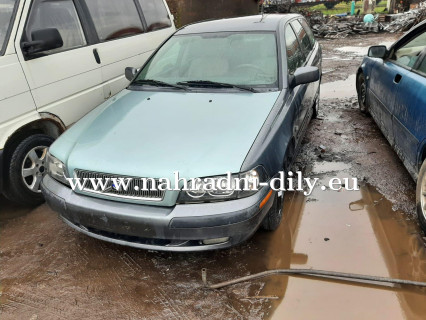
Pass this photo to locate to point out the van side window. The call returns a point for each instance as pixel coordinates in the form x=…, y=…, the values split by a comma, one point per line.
x=301, y=34
x=308, y=31
x=295, y=57
x=155, y=14
x=59, y=14
x=115, y=19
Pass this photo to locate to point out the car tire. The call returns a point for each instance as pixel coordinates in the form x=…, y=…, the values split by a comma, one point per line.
x=26, y=169
x=316, y=108
x=362, y=94
x=421, y=196
x=273, y=218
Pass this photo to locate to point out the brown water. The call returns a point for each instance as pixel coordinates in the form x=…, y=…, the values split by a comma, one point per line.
x=372, y=240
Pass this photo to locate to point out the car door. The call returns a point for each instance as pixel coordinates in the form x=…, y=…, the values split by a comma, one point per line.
x=295, y=59
x=67, y=81
x=409, y=121
x=313, y=58
x=383, y=90
x=128, y=32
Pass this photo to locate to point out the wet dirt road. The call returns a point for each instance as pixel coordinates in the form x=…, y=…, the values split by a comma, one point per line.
x=49, y=271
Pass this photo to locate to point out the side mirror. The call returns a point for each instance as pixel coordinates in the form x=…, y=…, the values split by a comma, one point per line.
x=377, y=52
x=130, y=73
x=43, y=40
x=304, y=75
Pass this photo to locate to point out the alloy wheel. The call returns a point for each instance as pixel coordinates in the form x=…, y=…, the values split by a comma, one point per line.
x=33, y=168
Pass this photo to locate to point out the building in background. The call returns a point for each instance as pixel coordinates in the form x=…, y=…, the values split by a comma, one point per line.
x=188, y=11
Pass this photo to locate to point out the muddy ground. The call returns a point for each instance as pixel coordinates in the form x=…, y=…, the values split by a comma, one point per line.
x=49, y=271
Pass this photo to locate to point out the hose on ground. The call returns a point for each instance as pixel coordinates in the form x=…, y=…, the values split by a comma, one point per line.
x=310, y=272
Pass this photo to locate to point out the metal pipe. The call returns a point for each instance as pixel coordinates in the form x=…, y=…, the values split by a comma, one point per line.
x=315, y=273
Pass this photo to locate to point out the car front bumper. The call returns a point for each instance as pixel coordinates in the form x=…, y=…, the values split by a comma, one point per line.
x=184, y=227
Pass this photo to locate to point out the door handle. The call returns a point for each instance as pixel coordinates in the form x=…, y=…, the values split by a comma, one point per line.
x=398, y=78
x=97, y=57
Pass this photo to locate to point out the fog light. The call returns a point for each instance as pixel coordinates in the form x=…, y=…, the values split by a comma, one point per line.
x=215, y=241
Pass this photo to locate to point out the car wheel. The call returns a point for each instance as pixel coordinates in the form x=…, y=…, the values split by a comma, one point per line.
x=421, y=196
x=362, y=94
x=273, y=218
x=316, y=108
x=26, y=170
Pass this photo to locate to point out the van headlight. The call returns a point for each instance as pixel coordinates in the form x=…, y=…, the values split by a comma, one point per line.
x=227, y=187
x=56, y=169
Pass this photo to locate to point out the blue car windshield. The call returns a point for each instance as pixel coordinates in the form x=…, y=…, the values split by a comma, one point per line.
x=6, y=12
x=244, y=59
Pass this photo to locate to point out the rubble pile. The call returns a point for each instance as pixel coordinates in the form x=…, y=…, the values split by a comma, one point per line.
x=404, y=21
x=341, y=26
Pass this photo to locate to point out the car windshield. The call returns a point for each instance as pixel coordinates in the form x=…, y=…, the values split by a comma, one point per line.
x=240, y=59
x=6, y=11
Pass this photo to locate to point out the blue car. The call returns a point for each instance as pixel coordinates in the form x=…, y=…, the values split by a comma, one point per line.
x=230, y=96
x=391, y=86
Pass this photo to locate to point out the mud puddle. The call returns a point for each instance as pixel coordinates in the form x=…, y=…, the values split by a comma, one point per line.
x=339, y=89
x=329, y=235
x=361, y=50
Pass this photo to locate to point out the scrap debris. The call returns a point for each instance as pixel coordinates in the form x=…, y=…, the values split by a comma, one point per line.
x=343, y=25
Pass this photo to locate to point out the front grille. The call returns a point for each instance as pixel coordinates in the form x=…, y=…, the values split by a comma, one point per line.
x=134, y=188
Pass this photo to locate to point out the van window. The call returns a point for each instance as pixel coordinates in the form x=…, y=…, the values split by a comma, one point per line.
x=115, y=19
x=295, y=57
x=6, y=12
x=59, y=14
x=155, y=14
x=301, y=34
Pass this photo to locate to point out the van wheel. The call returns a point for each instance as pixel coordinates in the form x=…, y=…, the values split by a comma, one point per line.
x=362, y=94
x=316, y=108
x=421, y=196
x=26, y=170
x=273, y=218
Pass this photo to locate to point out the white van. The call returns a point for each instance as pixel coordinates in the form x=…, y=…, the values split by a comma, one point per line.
x=59, y=59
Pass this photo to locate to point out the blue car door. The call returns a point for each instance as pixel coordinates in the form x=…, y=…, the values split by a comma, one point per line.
x=409, y=122
x=383, y=89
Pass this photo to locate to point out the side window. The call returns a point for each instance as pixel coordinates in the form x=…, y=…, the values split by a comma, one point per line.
x=302, y=36
x=59, y=14
x=308, y=31
x=155, y=14
x=408, y=54
x=115, y=19
x=422, y=67
x=295, y=57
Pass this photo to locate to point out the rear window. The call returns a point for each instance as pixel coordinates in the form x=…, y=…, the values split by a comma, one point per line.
x=308, y=31
x=115, y=19
x=155, y=13
x=302, y=36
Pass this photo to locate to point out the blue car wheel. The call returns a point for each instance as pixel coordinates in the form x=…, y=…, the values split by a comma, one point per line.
x=421, y=196
x=362, y=94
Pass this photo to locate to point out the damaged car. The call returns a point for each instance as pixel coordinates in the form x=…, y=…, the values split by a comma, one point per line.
x=232, y=95
x=391, y=86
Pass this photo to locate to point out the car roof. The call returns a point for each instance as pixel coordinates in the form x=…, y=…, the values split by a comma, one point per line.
x=267, y=22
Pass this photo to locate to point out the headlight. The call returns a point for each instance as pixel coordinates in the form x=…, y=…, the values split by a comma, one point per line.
x=222, y=188
x=56, y=169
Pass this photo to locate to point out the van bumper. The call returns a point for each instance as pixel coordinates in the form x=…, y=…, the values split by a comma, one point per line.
x=184, y=227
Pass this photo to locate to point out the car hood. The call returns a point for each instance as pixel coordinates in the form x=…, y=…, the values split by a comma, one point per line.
x=153, y=134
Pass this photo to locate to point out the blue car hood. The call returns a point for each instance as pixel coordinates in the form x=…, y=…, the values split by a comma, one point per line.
x=153, y=134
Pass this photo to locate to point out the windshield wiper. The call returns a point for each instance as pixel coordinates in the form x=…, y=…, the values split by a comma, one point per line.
x=157, y=83
x=207, y=83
